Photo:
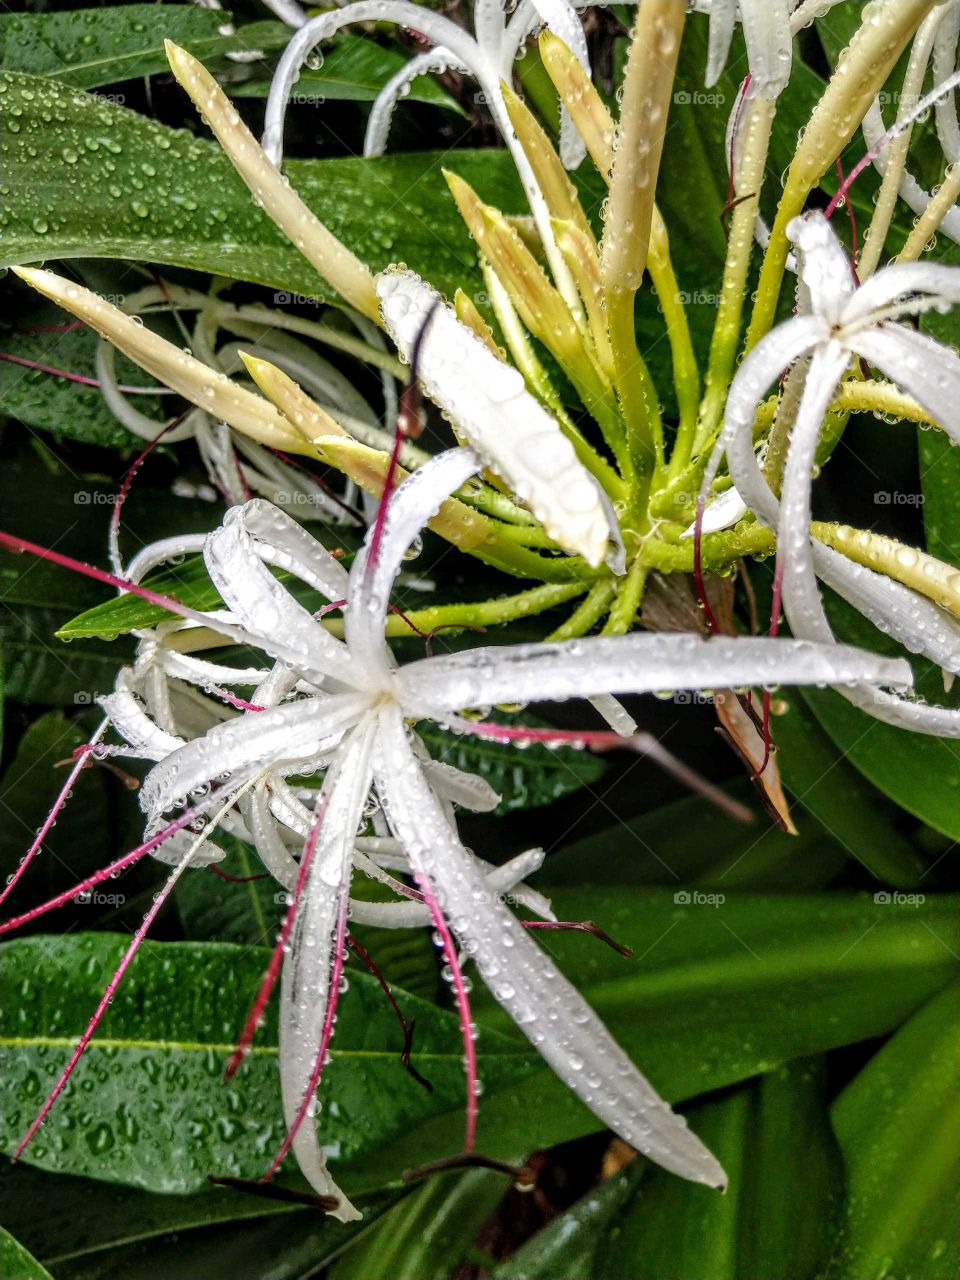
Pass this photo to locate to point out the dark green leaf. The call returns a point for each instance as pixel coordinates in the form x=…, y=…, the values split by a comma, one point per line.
x=355, y=70
x=140, y=190
x=92, y=47
x=898, y=1125
x=777, y=1217
x=148, y=1106
x=940, y=477
x=16, y=1263
x=816, y=775
x=429, y=1233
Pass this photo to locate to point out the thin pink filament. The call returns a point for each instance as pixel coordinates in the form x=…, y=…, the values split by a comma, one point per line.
x=326, y=1035
x=101, y=1009
x=106, y=873
x=78, y=377
x=463, y=1006
x=698, y=567
x=51, y=818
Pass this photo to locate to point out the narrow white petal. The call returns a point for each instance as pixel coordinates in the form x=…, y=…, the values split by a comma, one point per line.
x=292, y=734
x=898, y=281
x=615, y=714
x=924, y=368
x=824, y=269
x=305, y=983
x=160, y=552
x=766, y=29
x=274, y=854
x=411, y=506
x=560, y=17
x=488, y=403
x=631, y=664
x=134, y=725
x=285, y=630
x=432, y=61
x=282, y=542
x=465, y=789
x=546, y=1007
x=723, y=17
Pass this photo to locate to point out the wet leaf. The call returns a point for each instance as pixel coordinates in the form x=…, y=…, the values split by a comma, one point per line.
x=16, y=1263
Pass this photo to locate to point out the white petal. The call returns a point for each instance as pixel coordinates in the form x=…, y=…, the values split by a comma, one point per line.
x=766, y=30
x=292, y=734
x=634, y=664
x=547, y=1008
x=131, y=721
x=282, y=542
x=823, y=266
x=274, y=854
x=385, y=104
x=284, y=628
x=723, y=18
x=925, y=369
x=410, y=507
x=465, y=789
x=561, y=18
x=615, y=714
x=305, y=983
x=488, y=403
x=897, y=281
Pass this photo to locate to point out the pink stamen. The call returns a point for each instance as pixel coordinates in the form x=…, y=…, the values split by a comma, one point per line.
x=77, y=377
x=240, y=703
x=113, y=869
x=775, y=606
x=463, y=1006
x=854, y=232
x=80, y=764
x=321, y=484
x=731, y=203
x=127, y=483
x=101, y=1009
x=9, y=542
x=326, y=1035
x=225, y=875
x=272, y=972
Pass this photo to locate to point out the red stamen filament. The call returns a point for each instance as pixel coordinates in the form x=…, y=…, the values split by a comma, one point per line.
x=113, y=869
x=698, y=567
x=80, y=764
x=463, y=1005
x=79, y=377
x=326, y=1034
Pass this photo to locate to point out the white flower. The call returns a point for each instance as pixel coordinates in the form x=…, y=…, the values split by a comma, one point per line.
x=345, y=706
x=837, y=322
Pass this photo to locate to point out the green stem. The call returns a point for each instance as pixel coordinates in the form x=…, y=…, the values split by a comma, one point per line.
x=630, y=592
x=586, y=616
x=487, y=613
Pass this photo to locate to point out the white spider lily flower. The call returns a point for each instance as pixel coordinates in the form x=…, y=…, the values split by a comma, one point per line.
x=769, y=38
x=352, y=719
x=489, y=406
x=488, y=55
x=837, y=322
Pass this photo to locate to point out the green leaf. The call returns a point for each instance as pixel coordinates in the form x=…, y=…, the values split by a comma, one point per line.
x=566, y=1248
x=816, y=775
x=188, y=583
x=16, y=1263
x=898, y=1124
x=66, y=408
x=524, y=779
x=148, y=1106
x=92, y=47
x=921, y=773
x=718, y=991
x=140, y=190
x=666, y=847
x=778, y=1214
x=429, y=1233
x=940, y=477
x=354, y=69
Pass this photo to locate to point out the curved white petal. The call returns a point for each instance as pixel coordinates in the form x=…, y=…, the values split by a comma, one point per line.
x=924, y=368
x=305, y=982
x=465, y=789
x=128, y=717
x=274, y=854
x=634, y=664
x=434, y=61
x=292, y=734
x=766, y=30
x=283, y=628
x=546, y=1007
x=488, y=403
x=409, y=509
x=560, y=17
x=723, y=18
x=824, y=269
x=910, y=190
